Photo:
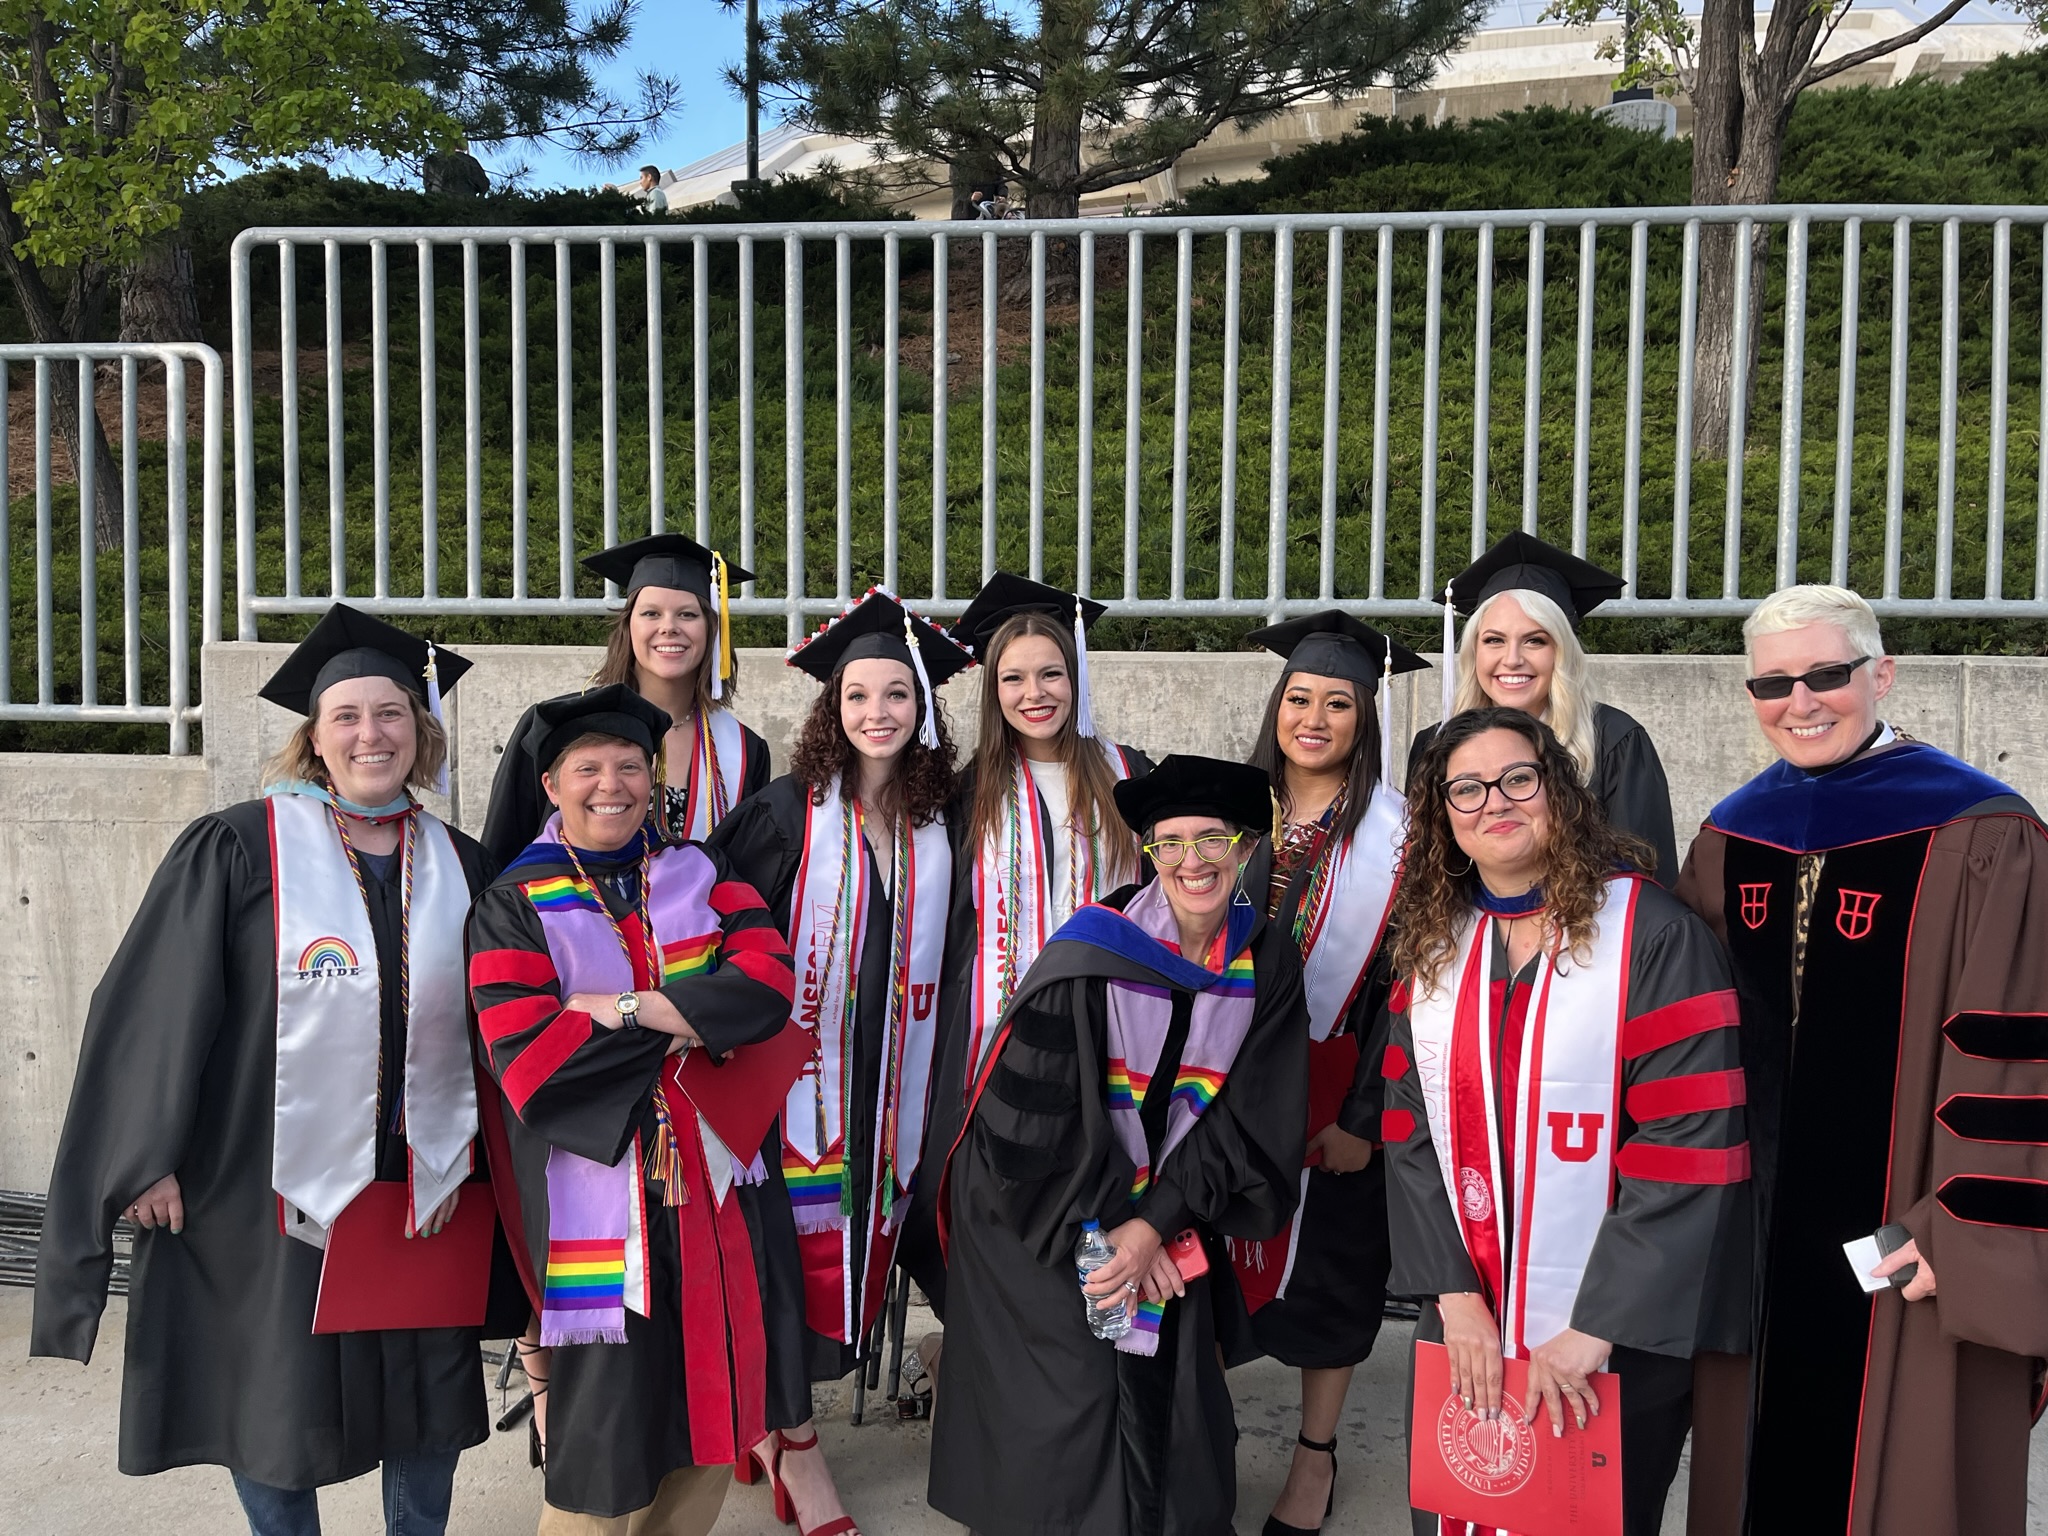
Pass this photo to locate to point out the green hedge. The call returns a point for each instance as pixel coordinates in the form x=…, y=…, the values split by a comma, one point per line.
x=1979, y=140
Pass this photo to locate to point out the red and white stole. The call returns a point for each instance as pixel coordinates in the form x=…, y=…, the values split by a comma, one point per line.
x=329, y=1030
x=1567, y=1103
x=1014, y=913
x=1343, y=916
x=717, y=767
x=828, y=922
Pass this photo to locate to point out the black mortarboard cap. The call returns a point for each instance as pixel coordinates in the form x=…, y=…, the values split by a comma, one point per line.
x=613, y=710
x=1182, y=785
x=662, y=560
x=874, y=626
x=1334, y=644
x=1521, y=561
x=348, y=643
x=1005, y=594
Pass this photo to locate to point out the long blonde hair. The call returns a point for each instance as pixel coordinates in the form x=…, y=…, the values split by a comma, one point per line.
x=1573, y=703
x=296, y=759
x=1090, y=805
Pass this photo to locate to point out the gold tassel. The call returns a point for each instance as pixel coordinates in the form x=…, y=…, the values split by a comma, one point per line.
x=1279, y=821
x=725, y=666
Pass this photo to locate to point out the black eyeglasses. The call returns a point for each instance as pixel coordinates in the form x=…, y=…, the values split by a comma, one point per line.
x=1827, y=679
x=1520, y=782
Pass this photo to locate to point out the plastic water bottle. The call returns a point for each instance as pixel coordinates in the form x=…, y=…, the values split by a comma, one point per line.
x=1111, y=1319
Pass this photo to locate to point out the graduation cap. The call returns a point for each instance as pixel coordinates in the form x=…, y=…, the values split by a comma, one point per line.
x=880, y=627
x=1183, y=785
x=1521, y=562
x=681, y=565
x=347, y=643
x=613, y=710
x=1003, y=596
x=1334, y=644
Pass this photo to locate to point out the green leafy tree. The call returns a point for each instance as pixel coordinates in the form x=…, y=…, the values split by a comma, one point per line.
x=524, y=71
x=1070, y=97
x=114, y=110
x=1743, y=85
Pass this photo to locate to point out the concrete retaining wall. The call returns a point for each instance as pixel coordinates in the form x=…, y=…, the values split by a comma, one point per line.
x=83, y=833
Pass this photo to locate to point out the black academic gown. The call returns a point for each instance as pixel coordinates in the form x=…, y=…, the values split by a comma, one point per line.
x=1042, y=1427
x=764, y=839
x=618, y=1414
x=1337, y=1290
x=1668, y=1277
x=519, y=806
x=176, y=1075
x=918, y=1250
x=1628, y=779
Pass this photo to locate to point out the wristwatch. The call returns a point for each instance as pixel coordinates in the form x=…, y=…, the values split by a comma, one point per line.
x=629, y=1010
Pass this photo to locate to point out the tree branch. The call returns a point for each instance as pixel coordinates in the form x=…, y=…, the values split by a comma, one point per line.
x=1815, y=73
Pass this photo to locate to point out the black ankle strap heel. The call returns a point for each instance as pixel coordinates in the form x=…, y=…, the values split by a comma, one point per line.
x=1275, y=1527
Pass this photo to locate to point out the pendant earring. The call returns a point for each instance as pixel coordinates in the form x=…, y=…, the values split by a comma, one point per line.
x=1459, y=874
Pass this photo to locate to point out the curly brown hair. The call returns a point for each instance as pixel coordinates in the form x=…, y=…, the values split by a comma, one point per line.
x=1433, y=896
x=924, y=776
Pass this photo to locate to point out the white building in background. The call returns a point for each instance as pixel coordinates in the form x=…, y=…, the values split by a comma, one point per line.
x=1516, y=60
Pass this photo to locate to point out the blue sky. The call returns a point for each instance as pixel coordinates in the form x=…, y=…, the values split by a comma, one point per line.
x=692, y=40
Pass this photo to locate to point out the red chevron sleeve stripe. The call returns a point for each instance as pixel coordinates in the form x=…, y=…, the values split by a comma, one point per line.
x=517, y=967
x=765, y=940
x=730, y=896
x=514, y=1015
x=1678, y=1021
x=768, y=970
x=1691, y=1095
x=1683, y=1165
x=542, y=1059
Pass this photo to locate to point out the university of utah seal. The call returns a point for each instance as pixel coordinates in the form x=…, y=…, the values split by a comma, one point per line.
x=1473, y=1193
x=1490, y=1456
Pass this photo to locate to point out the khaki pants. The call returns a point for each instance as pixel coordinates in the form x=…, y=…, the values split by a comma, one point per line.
x=686, y=1504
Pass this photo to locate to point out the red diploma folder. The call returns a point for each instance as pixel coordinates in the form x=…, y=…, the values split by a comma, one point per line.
x=741, y=1095
x=375, y=1277
x=1507, y=1474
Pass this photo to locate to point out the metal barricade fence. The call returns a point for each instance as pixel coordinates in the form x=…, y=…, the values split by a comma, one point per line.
x=153, y=617
x=1383, y=464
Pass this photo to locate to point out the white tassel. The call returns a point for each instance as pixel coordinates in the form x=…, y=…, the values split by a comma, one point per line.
x=718, y=642
x=434, y=709
x=1450, y=662
x=928, y=732
x=1084, y=710
x=1386, y=709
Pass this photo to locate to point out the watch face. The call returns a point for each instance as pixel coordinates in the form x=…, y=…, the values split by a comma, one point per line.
x=629, y=1004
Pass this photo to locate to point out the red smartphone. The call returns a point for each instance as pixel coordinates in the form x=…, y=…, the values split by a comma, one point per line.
x=1188, y=1255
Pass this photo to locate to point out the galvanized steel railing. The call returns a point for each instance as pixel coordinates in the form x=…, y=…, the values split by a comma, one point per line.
x=1376, y=533
x=141, y=612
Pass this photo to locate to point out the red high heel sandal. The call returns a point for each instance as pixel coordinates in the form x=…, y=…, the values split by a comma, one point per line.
x=785, y=1506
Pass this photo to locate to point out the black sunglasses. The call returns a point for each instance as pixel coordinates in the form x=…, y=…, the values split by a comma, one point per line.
x=1825, y=679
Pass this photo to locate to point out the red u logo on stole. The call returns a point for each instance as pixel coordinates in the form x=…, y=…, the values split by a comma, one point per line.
x=1562, y=1145
x=1857, y=910
x=1756, y=902
x=921, y=1000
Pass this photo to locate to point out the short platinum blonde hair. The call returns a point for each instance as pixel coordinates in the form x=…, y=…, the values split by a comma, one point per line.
x=1573, y=703
x=1797, y=607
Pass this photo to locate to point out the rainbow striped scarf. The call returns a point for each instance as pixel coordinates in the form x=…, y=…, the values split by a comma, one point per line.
x=1139, y=1015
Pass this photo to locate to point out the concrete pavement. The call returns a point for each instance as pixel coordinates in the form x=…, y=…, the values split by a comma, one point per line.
x=57, y=1477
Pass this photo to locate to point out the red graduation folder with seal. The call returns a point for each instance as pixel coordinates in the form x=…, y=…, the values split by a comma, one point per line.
x=375, y=1277
x=741, y=1095
x=1507, y=1475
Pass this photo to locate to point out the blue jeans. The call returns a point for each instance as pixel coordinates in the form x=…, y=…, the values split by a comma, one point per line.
x=417, y=1490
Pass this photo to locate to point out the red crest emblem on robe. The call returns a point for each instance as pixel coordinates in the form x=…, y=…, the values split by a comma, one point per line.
x=1574, y=1138
x=1756, y=900
x=1857, y=910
